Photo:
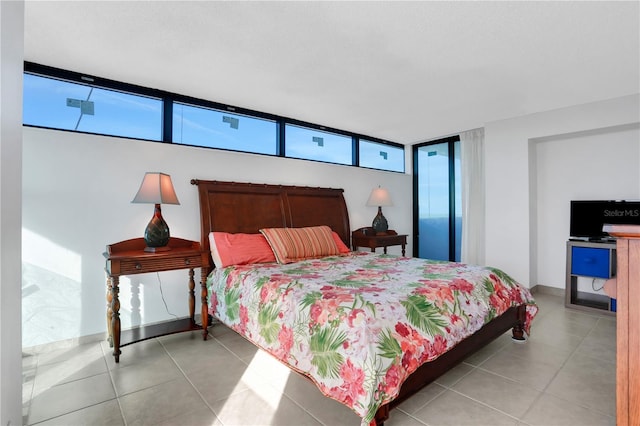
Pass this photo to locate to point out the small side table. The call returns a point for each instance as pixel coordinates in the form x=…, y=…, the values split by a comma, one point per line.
x=367, y=237
x=129, y=258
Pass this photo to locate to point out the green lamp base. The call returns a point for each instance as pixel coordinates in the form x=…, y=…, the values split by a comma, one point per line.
x=380, y=223
x=156, y=236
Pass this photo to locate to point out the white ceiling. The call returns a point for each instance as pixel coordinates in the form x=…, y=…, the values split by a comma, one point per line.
x=401, y=71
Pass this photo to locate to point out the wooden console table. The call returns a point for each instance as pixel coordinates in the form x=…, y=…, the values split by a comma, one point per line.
x=129, y=258
x=627, y=323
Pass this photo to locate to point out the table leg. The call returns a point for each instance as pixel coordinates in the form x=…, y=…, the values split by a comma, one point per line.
x=192, y=298
x=115, y=317
x=109, y=313
x=403, y=250
x=384, y=249
x=204, y=312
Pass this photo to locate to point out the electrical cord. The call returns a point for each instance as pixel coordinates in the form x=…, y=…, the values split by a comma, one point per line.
x=593, y=285
x=163, y=300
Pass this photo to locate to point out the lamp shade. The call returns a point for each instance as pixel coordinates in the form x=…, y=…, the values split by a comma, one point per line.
x=379, y=197
x=156, y=188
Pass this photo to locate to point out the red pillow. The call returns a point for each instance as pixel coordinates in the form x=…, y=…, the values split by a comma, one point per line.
x=239, y=249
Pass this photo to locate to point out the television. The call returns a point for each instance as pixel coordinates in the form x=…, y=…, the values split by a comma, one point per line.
x=588, y=217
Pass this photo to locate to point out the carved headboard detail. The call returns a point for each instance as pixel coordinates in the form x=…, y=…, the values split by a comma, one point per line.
x=247, y=207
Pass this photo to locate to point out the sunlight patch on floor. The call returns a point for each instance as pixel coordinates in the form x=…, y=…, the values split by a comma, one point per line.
x=266, y=378
x=63, y=372
x=270, y=370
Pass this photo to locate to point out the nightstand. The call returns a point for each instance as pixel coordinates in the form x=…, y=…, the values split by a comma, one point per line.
x=129, y=258
x=367, y=237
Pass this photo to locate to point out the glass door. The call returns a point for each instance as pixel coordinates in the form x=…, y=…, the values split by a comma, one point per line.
x=438, y=200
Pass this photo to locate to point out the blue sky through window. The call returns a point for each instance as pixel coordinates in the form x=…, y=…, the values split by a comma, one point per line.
x=59, y=104
x=220, y=129
x=312, y=144
x=46, y=103
x=380, y=156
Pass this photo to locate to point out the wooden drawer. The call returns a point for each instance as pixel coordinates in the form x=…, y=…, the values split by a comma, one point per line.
x=141, y=266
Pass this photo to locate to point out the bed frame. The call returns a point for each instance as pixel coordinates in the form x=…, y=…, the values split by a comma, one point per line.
x=247, y=207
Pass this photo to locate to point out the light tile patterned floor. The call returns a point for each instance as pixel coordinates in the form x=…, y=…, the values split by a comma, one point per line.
x=563, y=375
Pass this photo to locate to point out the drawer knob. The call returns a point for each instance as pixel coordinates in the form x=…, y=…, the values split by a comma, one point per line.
x=187, y=261
x=138, y=266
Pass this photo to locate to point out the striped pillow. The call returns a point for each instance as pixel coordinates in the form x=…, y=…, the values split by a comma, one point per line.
x=294, y=244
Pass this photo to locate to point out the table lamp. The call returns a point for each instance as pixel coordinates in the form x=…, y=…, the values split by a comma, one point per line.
x=379, y=197
x=156, y=188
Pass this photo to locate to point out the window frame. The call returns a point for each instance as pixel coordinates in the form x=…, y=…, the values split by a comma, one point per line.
x=451, y=142
x=386, y=143
x=98, y=83
x=168, y=99
x=235, y=113
x=323, y=130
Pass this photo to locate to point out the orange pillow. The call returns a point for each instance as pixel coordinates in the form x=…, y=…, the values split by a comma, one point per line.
x=294, y=244
x=239, y=249
x=342, y=247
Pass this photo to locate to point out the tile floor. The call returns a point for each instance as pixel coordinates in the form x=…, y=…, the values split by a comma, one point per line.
x=563, y=375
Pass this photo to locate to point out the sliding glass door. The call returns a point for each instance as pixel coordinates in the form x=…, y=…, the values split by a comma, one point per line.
x=438, y=200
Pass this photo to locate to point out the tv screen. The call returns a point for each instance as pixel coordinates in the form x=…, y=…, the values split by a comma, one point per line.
x=588, y=217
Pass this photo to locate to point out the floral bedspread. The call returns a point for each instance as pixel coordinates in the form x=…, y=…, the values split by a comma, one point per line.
x=359, y=324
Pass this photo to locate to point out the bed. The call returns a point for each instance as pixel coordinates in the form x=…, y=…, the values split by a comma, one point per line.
x=368, y=329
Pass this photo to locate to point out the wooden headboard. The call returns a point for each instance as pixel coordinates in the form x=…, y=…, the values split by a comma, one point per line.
x=248, y=207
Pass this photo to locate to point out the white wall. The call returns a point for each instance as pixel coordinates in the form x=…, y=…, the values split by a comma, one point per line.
x=511, y=176
x=595, y=165
x=11, y=59
x=77, y=192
